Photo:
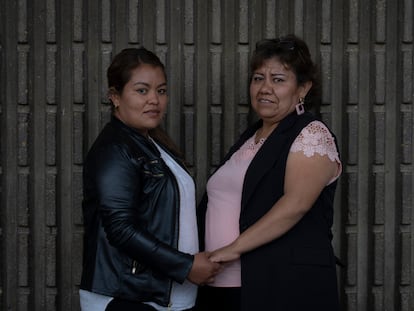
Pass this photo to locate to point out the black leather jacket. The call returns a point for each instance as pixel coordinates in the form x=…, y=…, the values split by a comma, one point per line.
x=131, y=212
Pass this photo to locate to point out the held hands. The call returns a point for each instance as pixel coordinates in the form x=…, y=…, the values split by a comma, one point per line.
x=203, y=270
x=225, y=254
x=207, y=265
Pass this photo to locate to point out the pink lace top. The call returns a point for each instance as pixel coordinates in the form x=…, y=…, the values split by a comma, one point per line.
x=225, y=186
x=316, y=138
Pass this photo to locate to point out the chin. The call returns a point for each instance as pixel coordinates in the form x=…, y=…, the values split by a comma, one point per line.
x=153, y=125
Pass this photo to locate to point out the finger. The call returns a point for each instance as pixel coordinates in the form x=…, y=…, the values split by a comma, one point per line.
x=217, y=267
x=211, y=280
x=214, y=258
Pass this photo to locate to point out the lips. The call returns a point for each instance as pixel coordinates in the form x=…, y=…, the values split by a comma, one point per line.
x=152, y=113
x=265, y=101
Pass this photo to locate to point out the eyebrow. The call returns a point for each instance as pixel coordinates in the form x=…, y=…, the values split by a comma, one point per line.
x=278, y=74
x=272, y=74
x=147, y=85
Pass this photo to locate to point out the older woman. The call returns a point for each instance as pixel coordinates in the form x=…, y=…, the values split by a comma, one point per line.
x=268, y=209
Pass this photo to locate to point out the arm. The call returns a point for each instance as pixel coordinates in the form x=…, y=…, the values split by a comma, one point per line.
x=118, y=184
x=304, y=180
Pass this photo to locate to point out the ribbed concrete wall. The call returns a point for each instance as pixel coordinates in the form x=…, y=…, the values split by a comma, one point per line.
x=53, y=103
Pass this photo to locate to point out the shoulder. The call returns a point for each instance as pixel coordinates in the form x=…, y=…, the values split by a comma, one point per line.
x=113, y=150
x=317, y=128
x=315, y=137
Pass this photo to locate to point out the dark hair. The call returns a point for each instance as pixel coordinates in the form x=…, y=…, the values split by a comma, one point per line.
x=119, y=72
x=118, y=75
x=293, y=52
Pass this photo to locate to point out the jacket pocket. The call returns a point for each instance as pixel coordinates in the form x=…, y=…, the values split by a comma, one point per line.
x=312, y=256
x=153, y=173
x=153, y=168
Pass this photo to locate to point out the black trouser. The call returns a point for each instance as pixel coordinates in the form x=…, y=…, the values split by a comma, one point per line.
x=218, y=299
x=117, y=304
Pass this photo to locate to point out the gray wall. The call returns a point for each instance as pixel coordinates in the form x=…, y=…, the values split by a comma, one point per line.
x=53, y=103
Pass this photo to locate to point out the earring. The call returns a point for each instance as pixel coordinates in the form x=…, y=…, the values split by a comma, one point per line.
x=300, y=109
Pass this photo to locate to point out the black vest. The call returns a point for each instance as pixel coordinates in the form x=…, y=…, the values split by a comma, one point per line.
x=296, y=271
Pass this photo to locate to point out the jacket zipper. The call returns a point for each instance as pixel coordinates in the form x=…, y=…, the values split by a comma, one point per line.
x=134, y=263
x=134, y=267
x=177, y=230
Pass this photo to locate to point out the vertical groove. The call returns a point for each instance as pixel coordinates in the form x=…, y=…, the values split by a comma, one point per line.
x=65, y=152
x=93, y=65
x=256, y=32
x=338, y=111
x=311, y=32
x=120, y=30
x=175, y=60
x=9, y=182
x=409, y=10
x=411, y=283
x=229, y=57
x=202, y=109
x=364, y=200
x=392, y=160
x=147, y=23
x=256, y=28
x=37, y=90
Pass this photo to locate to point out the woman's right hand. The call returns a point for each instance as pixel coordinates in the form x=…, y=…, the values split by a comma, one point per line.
x=225, y=254
x=203, y=270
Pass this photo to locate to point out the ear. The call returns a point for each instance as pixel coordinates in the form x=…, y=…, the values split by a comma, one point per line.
x=113, y=95
x=304, y=88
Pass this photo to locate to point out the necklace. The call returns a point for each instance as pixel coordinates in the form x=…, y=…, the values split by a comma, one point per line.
x=260, y=136
x=258, y=139
x=263, y=133
x=252, y=145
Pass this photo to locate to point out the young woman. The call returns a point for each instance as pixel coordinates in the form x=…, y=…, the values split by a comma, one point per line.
x=140, y=243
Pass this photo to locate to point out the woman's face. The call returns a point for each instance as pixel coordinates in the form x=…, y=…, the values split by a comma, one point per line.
x=274, y=91
x=143, y=101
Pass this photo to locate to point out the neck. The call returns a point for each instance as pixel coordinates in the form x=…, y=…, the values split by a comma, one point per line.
x=265, y=131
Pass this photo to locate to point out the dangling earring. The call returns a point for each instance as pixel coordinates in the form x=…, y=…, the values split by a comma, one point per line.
x=300, y=109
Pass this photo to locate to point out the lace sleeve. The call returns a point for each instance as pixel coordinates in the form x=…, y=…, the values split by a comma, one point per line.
x=316, y=138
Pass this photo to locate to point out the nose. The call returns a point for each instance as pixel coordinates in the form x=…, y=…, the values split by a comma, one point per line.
x=153, y=97
x=265, y=87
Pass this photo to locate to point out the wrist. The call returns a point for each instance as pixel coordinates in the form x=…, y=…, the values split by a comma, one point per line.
x=237, y=247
